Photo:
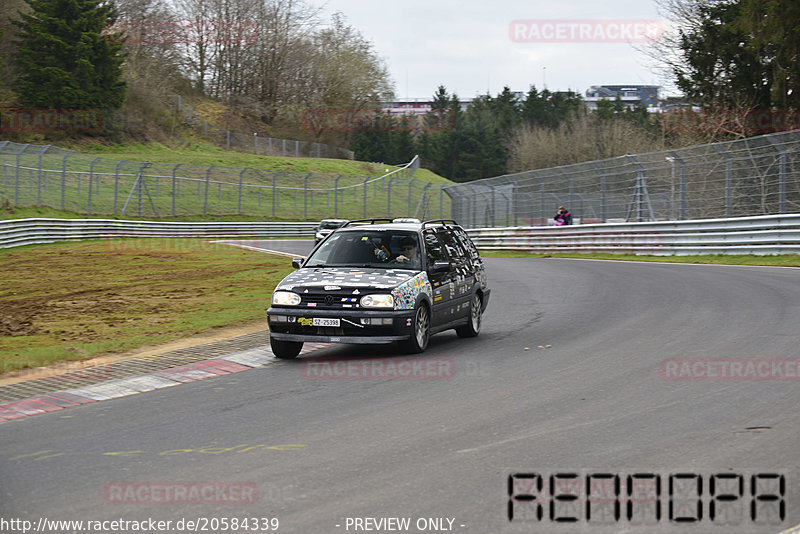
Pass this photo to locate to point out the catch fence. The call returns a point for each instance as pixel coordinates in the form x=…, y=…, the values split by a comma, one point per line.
x=747, y=177
x=36, y=175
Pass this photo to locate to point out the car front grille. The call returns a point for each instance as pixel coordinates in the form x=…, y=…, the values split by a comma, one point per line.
x=329, y=301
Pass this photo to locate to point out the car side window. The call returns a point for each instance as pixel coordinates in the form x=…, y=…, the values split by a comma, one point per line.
x=452, y=247
x=466, y=243
x=433, y=247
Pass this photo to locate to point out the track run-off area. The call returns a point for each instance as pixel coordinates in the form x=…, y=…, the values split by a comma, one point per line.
x=659, y=376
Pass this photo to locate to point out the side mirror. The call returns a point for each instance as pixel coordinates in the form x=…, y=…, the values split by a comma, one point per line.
x=440, y=266
x=297, y=262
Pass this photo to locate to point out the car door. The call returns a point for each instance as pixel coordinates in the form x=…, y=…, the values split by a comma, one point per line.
x=463, y=277
x=442, y=283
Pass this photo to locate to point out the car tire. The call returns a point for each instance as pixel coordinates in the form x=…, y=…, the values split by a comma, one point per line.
x=473, y=326
x=421, y=330
x=285, y=350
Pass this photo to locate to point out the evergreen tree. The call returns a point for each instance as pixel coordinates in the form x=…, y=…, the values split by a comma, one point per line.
x=402, y=140
x=65, y=59
x=506, y=111
x=774, y=31
x=724, y=67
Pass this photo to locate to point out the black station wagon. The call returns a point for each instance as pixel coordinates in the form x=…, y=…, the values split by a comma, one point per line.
x=378, y=281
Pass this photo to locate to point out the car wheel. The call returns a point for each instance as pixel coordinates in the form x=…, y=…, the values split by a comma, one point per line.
x=473, y=326
x=421, y=330
x=285, y=350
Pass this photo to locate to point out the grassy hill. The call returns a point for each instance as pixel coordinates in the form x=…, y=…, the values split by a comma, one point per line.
x=199, y=181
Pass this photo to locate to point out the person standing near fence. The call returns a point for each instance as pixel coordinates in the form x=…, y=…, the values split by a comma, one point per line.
x=563, y=217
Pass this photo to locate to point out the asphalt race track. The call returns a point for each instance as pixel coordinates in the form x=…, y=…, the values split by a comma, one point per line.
x=581, y=367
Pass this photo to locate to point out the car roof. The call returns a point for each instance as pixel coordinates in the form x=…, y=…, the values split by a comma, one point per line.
x=382, y=226
x=388, y=224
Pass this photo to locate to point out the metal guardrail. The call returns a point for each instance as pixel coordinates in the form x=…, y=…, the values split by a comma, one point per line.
x=18, y=232
x=771, y=234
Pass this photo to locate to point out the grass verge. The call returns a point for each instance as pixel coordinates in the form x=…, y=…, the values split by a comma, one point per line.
x=74, y=301
x=204, y=153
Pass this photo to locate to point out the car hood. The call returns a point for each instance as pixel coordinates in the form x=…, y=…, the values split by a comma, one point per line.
x=335, y=278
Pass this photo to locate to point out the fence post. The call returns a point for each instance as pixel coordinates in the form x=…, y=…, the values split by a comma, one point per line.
x=640, y=193
x=672, y=158
x=366, y=179
x=91, y=181
x=241, y=181
x=39, y=187
x=781, y=173
x=64, y=178
x=542, y=216
x=116, y=183
x=602, y=191
x=205, y=195
x=228, y=139
x=570, y=196
x=336, y=196
x=19, y=164
x=389, y=197
x=728, y=179
x=174, y=185
x=274, y=193
x=305, y=196
x=492, y=206
x=255, y=143
x=423, y=201
x=410, y=184
x=139, y=185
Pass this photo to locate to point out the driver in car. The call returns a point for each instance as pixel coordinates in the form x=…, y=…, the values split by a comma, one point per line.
x=410, y=255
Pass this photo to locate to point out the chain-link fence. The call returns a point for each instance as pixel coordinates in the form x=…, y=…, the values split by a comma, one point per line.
x=753, y=176
x=265, y=146
x=35, y=175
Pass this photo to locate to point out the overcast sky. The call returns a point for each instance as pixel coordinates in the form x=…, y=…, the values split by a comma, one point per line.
x=467, y=46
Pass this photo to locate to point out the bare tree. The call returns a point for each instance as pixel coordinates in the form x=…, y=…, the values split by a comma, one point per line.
x=9, y=10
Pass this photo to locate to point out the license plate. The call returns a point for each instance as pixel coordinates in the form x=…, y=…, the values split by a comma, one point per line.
x=324, y=321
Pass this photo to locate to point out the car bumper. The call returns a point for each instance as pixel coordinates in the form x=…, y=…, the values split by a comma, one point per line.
x=290, y=324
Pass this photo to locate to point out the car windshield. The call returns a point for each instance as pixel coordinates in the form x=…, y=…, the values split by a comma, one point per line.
x=388, y=249
x=330, y=225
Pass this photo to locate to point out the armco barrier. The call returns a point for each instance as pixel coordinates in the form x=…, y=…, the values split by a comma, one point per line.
x=19, y=232
x=770, y=234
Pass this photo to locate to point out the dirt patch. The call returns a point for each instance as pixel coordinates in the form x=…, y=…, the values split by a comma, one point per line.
x=10, y=326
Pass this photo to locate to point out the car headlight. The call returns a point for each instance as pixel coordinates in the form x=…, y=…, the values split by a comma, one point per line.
x=377, y=301
x=285, y=298
x=319, y=235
